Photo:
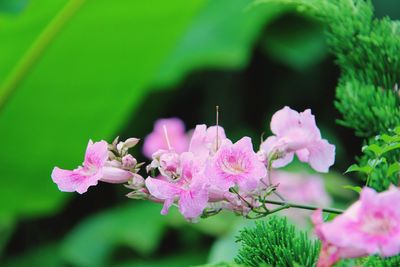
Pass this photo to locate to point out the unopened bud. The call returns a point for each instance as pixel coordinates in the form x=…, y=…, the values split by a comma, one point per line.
x=123, y=147
x=137, y=181
x=128, y=161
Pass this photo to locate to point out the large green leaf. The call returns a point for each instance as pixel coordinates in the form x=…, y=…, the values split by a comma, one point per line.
x=83, y=67
x=221, y=36
x=138, y=226
x=12, y=6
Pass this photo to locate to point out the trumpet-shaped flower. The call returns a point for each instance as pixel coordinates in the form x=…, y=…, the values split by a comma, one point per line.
x=235, y=164
x=96, y=167
x=370, y=226
x=167, y=134
x=206, y=141
x=189, y=189
x=297, y=133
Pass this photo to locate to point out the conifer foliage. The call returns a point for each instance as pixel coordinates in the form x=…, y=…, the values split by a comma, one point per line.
x=275, y=242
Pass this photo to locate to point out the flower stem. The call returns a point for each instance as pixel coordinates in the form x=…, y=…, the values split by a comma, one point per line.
x=286, y=205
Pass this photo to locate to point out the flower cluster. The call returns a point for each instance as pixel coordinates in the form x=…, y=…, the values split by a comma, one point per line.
x=207, y=172
x=203, y=172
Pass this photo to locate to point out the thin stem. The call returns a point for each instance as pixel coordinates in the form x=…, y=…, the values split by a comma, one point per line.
x=37, y=48
x=242, y=198
x=286, y=205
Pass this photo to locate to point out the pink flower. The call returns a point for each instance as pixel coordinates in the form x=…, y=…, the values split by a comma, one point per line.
x=301, y=187
x=156, y=140
x=331, y=253
x=95, y=168
x=189, y=189
x=370, y=226
x=298, y=133
x=235, y=164
x=204, y=140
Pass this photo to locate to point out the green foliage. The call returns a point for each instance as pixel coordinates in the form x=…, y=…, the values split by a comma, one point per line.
x=372, y=261
x=220, y=36
x=222, y=264
x=380, y=163
x=73, y=77
x=277, y=243
x=300, y=46
x=367, y=52
x=12, y=6
x=118, y=226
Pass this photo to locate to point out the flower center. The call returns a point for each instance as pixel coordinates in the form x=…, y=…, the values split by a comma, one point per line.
x=232, y=165
x=377, y=225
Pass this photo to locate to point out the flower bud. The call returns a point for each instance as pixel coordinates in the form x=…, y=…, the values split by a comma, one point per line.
x=123, y=147
x=128, y=161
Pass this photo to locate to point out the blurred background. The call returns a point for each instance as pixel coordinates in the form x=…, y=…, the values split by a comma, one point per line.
x=77, y=70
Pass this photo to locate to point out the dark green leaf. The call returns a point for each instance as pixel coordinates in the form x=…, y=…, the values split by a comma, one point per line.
x=138, y=226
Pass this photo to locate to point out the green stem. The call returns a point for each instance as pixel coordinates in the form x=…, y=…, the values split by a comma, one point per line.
x=286, y=205
x=36, y=49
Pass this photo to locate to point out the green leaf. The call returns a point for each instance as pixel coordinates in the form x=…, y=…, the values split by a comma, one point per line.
x=354, y=188
x=355, y=168
x=71, y=71
x=393, y=168
x=377, y=150
x=12, y=6
x=391, y=147
x=221, y=36
x=301, y=45
x=138, y=226
x=181, y=260
x=47, y=255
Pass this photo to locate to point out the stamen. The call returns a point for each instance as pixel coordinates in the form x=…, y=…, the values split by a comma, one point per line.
x=217, y=123
x=166, y=137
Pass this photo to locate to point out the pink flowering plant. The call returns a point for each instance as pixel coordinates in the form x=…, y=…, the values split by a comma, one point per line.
x=204, y=172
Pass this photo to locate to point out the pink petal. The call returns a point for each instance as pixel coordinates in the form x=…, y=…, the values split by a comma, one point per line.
x=175, y=126
x=283, y=120
x=204, y=140
x=322, y=155
x=303, y=155
x=156, y=140
x=96, y=154
x=161, y=189
x=115, y=175
x=76, y=180
x=272, y=143
x=192, y=203
x=167, y=204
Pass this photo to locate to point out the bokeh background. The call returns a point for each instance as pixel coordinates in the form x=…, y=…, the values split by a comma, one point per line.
x=71, y=70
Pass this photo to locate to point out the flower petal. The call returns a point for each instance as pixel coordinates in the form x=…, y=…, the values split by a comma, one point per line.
x=115, y=175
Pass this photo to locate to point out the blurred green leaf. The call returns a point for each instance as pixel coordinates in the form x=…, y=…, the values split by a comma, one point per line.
x=296, y=42
x=79, y=75
x=6, y=230
x=181, y=260
x=12, y=6
x=356, y=189
x=393, y=168
x=221, y=36
x=47, y=255
x=225, y=248
x=139, y=226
